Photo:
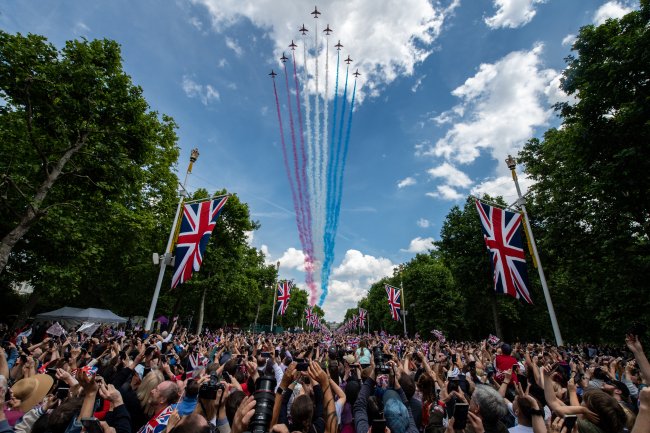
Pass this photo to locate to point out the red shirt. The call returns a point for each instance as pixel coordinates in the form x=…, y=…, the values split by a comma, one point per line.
x=505, y=363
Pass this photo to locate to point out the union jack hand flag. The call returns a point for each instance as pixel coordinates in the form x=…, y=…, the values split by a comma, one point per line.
x=503, y=239
x=284, y=294
x=394, y=301
x=362, y=317
x=198, y=222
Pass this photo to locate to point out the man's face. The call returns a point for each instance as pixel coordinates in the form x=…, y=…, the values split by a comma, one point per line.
x=157, y=392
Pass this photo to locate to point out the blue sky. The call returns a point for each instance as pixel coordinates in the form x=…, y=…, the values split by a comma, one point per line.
x=447, y=90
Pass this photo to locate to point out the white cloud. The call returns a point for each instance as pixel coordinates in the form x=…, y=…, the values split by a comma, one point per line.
x=222, y=63
x=419, y=245
x=406, y=182
x=292, y=259
x=512, y=13
x=445, y=192
x=418, y=83
x=250, y=236
x=611, y=9
x=424, y=223
x=233, y=45
x=451, y=174
x=356, y=265
x=555, y=94
x=205, y=93
x=196, y=23
x=568, y=40
x=502, y=186
x=502, y=104
x=351, y=280
x=81, y=28
x=384, y=41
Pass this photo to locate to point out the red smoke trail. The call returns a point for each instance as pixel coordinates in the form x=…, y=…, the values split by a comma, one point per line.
x=303, y=194
x=309, y=248
x=286, y=164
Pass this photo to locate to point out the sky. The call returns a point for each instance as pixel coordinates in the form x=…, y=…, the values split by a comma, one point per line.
x=447, y=90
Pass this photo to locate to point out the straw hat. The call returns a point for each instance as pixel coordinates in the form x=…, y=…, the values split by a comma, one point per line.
x=31, y=390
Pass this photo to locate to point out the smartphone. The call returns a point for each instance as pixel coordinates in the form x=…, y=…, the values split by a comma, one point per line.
x=226, y=377
x=302, y=366
x=62, y=392
x=92, y=425
x=569, y=422
x=460, y=415
x=378, y=426
x=265, y=354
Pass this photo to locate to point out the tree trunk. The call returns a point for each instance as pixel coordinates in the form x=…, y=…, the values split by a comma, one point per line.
x=34, y=211
x=200, y=324
x=495, y=313
x=34, y=297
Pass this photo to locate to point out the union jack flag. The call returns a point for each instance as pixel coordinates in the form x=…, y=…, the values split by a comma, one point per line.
x=503, y=239
x=284, y=294
x=197, y=224
x=159, y=423
x=310, y=316
x=362, y=317
x=394, y=301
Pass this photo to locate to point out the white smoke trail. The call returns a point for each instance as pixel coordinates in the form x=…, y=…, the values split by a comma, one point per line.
x=308, y=132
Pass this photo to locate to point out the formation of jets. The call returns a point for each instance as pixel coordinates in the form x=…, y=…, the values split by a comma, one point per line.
x=304, y=31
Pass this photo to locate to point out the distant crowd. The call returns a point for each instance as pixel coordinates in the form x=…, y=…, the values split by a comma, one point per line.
x=124, y=380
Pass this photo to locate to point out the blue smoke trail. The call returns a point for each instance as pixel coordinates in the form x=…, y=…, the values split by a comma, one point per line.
x=344, y=159
x=332, y=216
x=327, y=262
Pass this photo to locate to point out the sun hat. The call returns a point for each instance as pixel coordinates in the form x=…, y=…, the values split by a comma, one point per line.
x=31, y=390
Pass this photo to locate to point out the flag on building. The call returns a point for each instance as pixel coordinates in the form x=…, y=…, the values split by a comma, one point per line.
x=199, y=220
x=394, y=301
x=284, y=294
x=503, y=239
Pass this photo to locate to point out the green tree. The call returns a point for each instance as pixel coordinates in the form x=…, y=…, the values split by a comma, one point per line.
x=86, y=169
x=589, y=204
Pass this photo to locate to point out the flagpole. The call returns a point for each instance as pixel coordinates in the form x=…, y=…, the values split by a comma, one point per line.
x=401, y=286
x=167, y=256
x=512, y=165
x=275, y=294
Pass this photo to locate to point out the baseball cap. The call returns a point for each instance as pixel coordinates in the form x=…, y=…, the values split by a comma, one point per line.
x=395, y=413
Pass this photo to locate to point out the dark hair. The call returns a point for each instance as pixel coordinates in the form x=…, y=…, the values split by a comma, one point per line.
x=524, y=406
x=192, y=388
x=408, y=385
x=232, y=403
x=192, y=423
x=610, y=414
x=60, y=418
x=506, y=349
x=352, y=389
x=375, y=408
x=427, y=387
x=302, y=410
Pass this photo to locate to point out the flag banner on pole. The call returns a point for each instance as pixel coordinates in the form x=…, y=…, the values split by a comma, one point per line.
x=439, y=335
x=309, y=316
x=88, y=328
x=394, y=301
x=503, y=239
x=284, y=294
x=493, y=340
x=56, y=330
x=362, y=317
x=199, y=219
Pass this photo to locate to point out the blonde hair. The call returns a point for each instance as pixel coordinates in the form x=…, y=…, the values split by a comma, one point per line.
x=149, y=382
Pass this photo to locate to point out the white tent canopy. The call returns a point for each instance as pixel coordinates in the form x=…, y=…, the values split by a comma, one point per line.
x=71, y=316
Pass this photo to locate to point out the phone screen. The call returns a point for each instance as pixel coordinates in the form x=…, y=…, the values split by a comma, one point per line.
x=460, y=415
x=569, y=422
x=378, y=426
x=265, y=355
x=92, y=425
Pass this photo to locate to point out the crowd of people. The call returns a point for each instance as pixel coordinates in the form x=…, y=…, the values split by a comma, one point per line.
x=124, y=380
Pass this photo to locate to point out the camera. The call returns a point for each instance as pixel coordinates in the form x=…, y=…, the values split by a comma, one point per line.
x=208, y=390
x=264, y=401
x=380, y=361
